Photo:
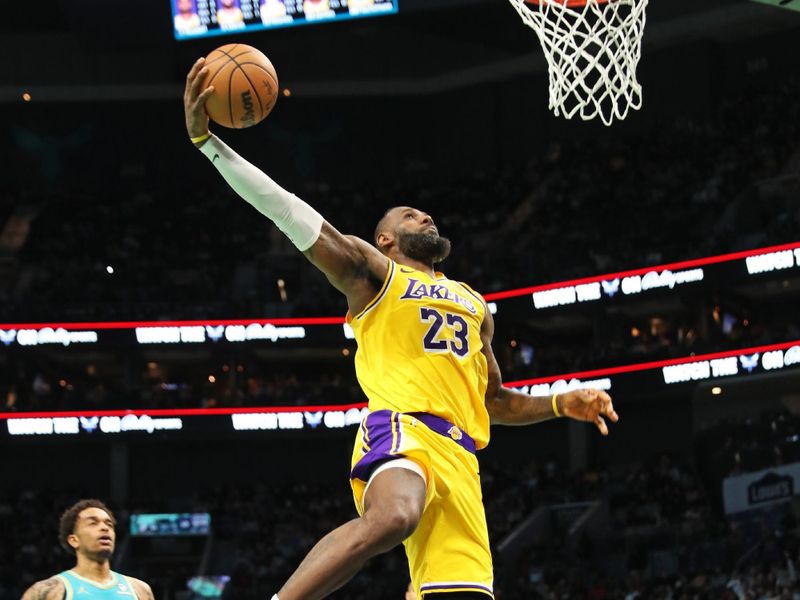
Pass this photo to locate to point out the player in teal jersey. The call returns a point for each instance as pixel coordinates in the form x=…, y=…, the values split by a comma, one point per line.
x=86, y=530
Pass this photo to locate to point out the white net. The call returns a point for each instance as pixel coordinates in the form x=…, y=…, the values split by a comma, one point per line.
x=592, y=51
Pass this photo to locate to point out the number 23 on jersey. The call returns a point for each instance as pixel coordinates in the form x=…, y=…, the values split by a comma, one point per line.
x=436, y=341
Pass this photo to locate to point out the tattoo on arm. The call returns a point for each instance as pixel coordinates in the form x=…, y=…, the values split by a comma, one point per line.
x=49, y=589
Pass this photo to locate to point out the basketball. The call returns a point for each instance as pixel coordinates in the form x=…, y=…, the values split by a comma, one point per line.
x=245, y=86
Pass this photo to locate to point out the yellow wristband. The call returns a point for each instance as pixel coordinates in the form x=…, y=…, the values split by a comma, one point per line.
x=555, y=406
x=201, y=138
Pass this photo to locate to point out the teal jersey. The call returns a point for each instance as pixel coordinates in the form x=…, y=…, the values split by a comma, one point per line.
x=80, y=588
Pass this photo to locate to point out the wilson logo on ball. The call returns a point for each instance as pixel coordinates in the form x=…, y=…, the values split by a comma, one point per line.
x=245, y=86
x=247, y=103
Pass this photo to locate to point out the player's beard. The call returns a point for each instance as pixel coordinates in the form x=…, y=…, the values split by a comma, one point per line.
x=104, y=554
x=429, y=248
x=99, y=555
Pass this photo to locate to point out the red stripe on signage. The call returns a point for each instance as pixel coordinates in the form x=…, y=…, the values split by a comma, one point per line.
x=182, y=412
x=210, y=323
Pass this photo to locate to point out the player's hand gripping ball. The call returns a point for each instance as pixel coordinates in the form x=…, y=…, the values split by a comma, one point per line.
x=245, y=86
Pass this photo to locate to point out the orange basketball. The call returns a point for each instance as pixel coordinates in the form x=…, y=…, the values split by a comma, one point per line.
x=245, y=86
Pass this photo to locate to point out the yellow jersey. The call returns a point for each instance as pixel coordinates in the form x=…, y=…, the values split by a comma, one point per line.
x=420, y=350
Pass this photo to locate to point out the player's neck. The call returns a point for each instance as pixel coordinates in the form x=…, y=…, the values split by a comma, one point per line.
x=93, y=570
x=415, y=264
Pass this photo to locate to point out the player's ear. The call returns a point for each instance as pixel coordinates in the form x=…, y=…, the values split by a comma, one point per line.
x=384, y=240
x=72, y=540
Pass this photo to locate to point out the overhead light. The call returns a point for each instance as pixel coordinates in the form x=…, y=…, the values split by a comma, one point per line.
x=716, y=390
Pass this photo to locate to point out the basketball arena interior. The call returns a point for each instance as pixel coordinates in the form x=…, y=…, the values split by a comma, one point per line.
x=166, y=349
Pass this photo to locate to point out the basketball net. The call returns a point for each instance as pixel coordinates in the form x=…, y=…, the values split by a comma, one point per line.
x=592, y=48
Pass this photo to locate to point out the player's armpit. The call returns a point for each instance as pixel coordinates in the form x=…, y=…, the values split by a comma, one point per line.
x=49, y=589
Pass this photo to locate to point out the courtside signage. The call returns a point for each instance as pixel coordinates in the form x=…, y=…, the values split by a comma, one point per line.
x=732, y=365
x=194, y=334
x=109, y=423
x=626, y=286
x=175, y=332
x=773, y=261
x=309, y=419
x=91, y=424
x=46, y=336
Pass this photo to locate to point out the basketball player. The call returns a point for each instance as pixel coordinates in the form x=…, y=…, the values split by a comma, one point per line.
x=229, y=14
x=425, y=362
x=86, y=530
x=186, y=21
x=272, y=9
x=359, y=5
x=316, y=7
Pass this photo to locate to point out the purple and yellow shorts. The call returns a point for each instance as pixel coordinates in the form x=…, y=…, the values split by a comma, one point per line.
x=449, y=551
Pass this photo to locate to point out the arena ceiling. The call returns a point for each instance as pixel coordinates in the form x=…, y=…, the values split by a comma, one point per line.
x=63, y=46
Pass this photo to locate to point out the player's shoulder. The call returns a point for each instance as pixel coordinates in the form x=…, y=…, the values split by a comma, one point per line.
x=142, y=588
x=46, y=589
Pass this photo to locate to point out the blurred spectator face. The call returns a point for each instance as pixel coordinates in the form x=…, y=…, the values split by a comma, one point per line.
x=185, y=6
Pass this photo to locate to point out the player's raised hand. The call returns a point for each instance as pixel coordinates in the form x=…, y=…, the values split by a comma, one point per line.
x=194, y=99
x=588, y=405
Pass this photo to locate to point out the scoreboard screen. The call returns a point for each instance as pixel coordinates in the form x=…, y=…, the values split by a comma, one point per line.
x=201, y=18
x=168, y=524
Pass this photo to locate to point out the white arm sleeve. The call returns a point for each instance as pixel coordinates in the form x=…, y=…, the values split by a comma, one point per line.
x=301, y=223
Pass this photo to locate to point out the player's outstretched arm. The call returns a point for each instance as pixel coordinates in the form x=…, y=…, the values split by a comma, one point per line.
x=509, y=407
x=353, y=266
x=48, y=589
